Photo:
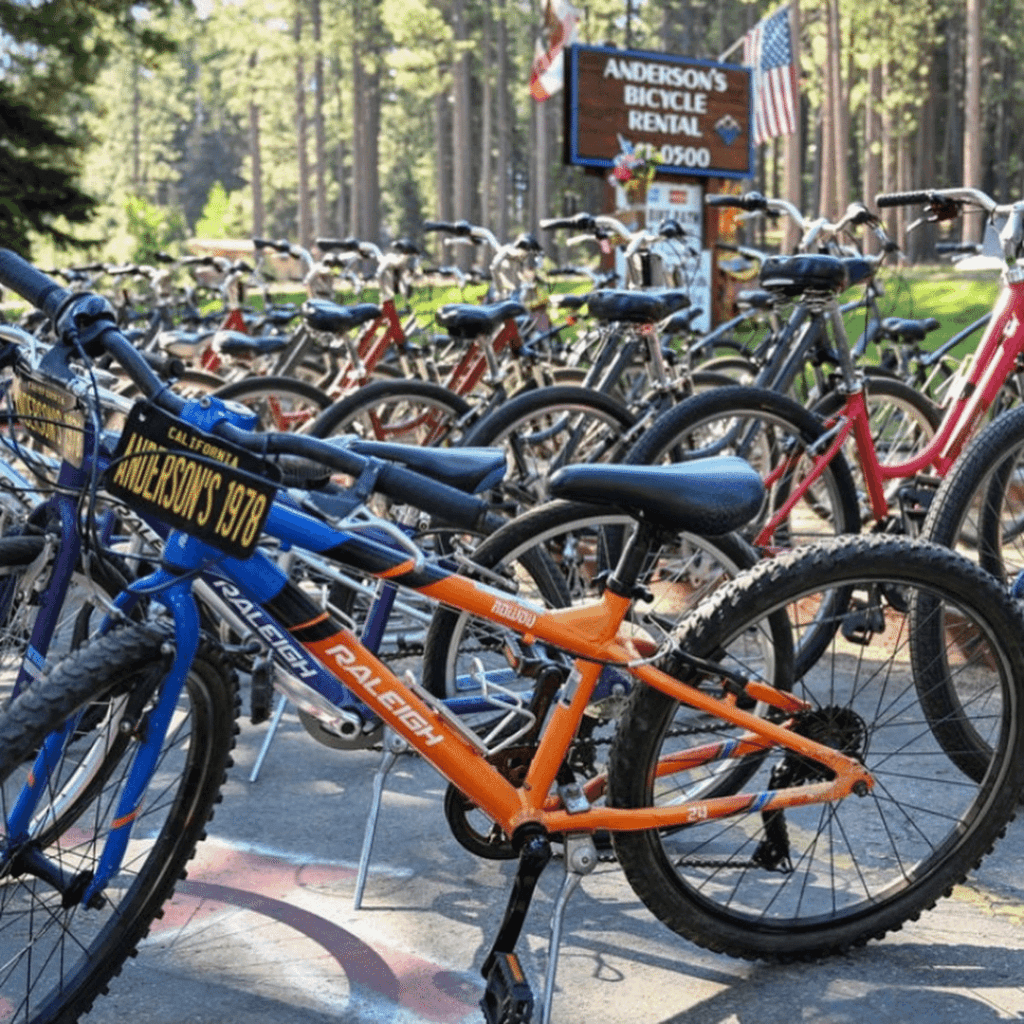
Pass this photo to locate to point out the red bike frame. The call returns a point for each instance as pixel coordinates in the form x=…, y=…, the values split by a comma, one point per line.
x=995, y=359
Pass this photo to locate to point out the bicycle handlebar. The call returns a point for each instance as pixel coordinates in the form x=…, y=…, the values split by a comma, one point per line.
x=88, y=319
x=32, y=285
x=940, y=197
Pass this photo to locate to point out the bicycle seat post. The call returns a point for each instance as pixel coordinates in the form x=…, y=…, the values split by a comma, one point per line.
x=623, y=578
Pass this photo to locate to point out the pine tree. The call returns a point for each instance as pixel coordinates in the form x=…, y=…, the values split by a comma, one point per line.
x=51, y=51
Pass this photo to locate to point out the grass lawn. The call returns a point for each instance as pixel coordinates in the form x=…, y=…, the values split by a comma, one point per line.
x=954, y=299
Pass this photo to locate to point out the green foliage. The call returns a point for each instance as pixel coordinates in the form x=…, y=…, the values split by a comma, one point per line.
x=153, y=228
x=51, y=52
x=222, y=215
x=37, y=176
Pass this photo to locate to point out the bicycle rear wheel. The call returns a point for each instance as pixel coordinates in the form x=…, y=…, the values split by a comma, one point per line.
x=403, y=411
x=808, y=881
x=56, y=954
x=543, y=429
x=281, y=403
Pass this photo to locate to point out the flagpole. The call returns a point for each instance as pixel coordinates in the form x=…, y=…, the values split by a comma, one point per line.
x=722, y=57
x=793, y=149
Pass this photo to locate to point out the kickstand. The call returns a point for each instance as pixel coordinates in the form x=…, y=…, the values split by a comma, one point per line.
x=282, y=703
x=507, y=997
x=580, y=860
x=393, y=746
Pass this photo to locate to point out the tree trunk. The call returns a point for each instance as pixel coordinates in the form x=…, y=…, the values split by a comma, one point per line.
x=443, y=159
x=922, y=240
x=873, y=144
x=541, y=194
x=839, y=114
x=344, y=186
x=793, y=149
x=305, y=218
x=486, y=173
x=371, y=150
x=319, y=142
x=504, y=129
x=972, y=115
x=462, y=148
x=827, y=150
x=355, y=216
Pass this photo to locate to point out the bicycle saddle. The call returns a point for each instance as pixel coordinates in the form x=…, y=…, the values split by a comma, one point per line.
x=238, y=343
x=322, y=315
x=796, y=275
x=610, y=304
x=570, y=301
x=469, y=469
x=906, y=330
x=756, y=298
x=187, y=345
x=463, y=320
x=679, y=323
x=709, y=496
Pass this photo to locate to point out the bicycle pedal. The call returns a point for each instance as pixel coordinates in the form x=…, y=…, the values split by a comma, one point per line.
x=861, y=624
x=261, y=691
x=507, y=998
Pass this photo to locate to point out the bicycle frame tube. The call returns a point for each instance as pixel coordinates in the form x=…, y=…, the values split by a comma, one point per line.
x=473, y=365
x=995, y=359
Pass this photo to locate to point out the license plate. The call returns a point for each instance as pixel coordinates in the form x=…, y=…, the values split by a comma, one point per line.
x=191, y=480
x=51, y=415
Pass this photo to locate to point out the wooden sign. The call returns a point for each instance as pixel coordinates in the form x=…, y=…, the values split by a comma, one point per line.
x=695, y=114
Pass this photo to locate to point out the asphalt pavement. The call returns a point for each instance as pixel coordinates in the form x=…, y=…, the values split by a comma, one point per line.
x=263, y=931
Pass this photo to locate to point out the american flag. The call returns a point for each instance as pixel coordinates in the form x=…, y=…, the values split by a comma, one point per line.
x=548, y=72
x=768, y=50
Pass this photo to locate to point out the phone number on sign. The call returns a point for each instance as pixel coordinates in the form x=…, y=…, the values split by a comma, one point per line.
x=686, y=156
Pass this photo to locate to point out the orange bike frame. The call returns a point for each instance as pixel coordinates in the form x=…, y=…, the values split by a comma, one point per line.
x=590, y=633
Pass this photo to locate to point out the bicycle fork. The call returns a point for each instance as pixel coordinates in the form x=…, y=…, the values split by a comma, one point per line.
x=87, y=887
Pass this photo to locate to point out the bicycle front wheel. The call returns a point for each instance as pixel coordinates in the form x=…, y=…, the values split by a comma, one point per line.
x=56, y=954
x=979, y=508
x=808, y=881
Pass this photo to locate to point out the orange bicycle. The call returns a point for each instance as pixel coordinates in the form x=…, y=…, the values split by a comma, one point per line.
x=759, y=811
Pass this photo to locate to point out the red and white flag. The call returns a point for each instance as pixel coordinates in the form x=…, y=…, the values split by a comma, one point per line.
x=768, y=51
x=548, y=72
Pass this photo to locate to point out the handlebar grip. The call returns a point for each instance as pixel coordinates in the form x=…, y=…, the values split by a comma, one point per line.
x=582, y=221
x=884, y=199
x=437, y=225
x=436, y=499
x=338, y=244
x=31, y=284
x=749, y=201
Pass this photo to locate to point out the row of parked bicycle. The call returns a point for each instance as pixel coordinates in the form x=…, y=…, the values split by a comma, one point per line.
x=557, y=594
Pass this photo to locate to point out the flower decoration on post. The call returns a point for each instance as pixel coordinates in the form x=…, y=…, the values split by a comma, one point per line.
x=634, y=169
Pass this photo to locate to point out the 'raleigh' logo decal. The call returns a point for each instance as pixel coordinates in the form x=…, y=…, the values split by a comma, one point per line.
x=513, y=613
